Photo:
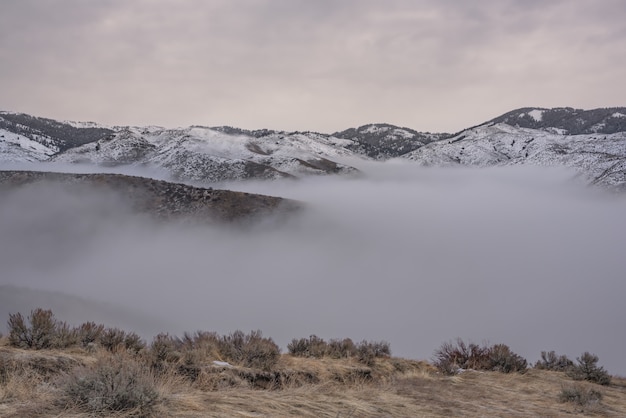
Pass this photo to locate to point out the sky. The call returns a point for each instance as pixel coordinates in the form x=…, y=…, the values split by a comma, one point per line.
x=523, y=256
x=324, y=65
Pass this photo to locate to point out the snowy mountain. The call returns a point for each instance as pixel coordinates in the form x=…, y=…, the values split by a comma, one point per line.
x=599, y=158
x=201, y=153
x=591, y=141
x=384, y=141
x=51, y=135
x=568, y=121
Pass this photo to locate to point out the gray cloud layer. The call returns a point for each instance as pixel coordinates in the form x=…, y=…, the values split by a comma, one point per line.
x=299, y=64
x=415, y=256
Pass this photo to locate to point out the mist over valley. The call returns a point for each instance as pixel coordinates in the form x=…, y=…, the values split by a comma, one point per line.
x=527, y=256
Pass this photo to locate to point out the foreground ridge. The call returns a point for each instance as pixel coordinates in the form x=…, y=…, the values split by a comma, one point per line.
x=51, y=368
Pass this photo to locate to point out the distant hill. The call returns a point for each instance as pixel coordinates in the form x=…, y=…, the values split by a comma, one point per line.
x=590, y=141
x=566, y=120
x=159, y=199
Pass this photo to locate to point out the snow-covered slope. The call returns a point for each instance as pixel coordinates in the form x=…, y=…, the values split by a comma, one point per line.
x=53, y=135
x=593, y=142
x=566, y=120
x=600, y=158
x=201, y=153
x=16, y=148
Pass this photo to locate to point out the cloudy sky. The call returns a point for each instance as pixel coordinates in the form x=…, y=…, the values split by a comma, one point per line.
x=432, y=65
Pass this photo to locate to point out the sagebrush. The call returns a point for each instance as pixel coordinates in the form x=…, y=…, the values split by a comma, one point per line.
x=551, y=361
x=451, y=357
x=316, y=347
x=588, y=369
x=115, y=383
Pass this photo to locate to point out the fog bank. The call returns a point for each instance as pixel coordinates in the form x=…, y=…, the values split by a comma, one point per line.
x=522, y=256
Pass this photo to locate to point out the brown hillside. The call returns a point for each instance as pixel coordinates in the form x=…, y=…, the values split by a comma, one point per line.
x=32, y=382
x=161, y=199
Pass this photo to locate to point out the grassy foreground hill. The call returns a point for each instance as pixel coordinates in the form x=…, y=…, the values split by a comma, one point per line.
x=48, y=368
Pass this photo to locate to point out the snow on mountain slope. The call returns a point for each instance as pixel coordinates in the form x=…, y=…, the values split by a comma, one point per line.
x=599, y=158
x=16, y=148
x=567, y=120
x=591, y=141
x=200, y=153
x=58, y=136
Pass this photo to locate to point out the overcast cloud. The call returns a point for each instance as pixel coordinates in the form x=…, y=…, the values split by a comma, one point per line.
x=521, y=256
x=308, y=65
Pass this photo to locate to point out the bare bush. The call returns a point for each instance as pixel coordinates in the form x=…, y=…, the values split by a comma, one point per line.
x=206, y=342
x=113, y=384
x=313, y=346
x=64, y=336
x=40, y=331
x=133, y=342
x=249, y=350
x=551, y=361
x=580, y=395
x=367, y=351
x=89, y=333
x=450, y=358
x=342, y=348
x=588, y=369
x=164, y=351
x=112, y=339
x=502, y=359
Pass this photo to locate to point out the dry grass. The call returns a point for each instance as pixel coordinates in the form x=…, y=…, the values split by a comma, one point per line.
x=310, y=388
x=472, y=394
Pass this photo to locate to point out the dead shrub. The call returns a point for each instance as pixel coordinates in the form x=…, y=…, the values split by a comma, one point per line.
x=313, y=346
x=450, y=358
x=203, y=341
x=249, y=350
x=551, y=361
x=64, y=336
x=163, y=352
x=316, y=347
x=37, y=332
x=114, y=339
x=580, y=395
x=367, y=351
x=502, y=359
x=114, y=384
x=133, y=342
x=588, y=369
x=41, y=330
x=344, y=348
x=89, y=333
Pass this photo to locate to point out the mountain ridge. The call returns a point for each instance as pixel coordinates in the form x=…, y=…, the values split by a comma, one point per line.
x=590, y=141
x=157, y=198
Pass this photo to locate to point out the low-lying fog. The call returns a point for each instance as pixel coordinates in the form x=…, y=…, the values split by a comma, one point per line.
x=523, y=256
